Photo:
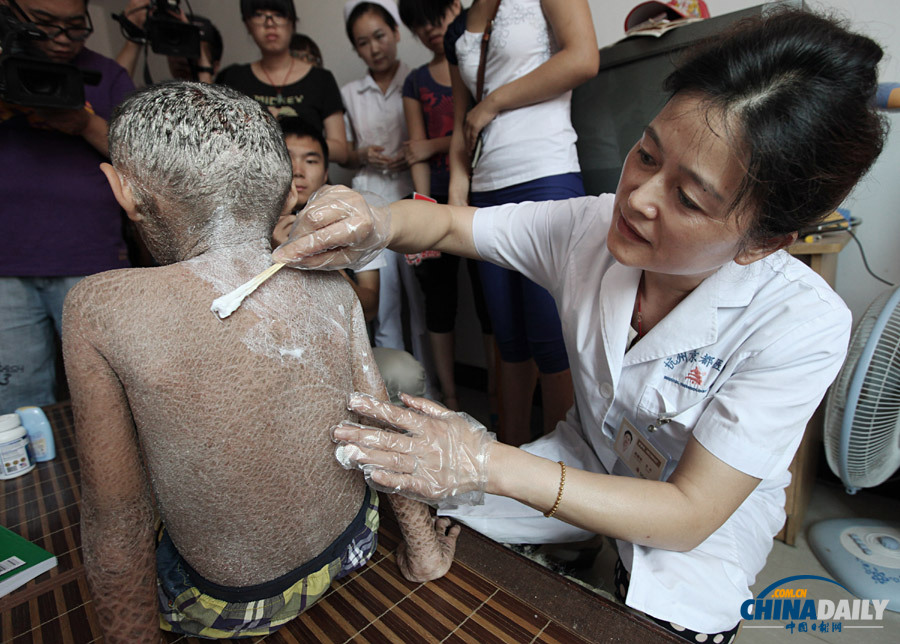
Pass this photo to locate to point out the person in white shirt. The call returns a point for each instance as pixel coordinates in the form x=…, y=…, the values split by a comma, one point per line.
x=685, y=322
x=376, y=127
x=537, y=52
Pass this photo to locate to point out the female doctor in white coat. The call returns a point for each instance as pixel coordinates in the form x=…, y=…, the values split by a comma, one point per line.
x=699, y=349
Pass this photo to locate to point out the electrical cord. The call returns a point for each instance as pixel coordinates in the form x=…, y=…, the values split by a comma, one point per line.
x=865, y=261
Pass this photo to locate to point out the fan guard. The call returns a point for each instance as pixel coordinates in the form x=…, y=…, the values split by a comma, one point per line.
x=862, y=436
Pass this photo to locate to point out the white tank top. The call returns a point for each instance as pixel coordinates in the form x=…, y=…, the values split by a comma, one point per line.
x=529, y=142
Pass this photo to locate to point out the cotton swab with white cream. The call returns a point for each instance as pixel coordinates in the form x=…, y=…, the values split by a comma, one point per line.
x=229, y=303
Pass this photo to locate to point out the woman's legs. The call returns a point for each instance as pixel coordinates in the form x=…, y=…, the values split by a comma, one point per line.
x=517, y=374
x=438, y=279
x=491, y=356
x=421, y=349
x=442, y=349
x=526, y=323
x=544, y=333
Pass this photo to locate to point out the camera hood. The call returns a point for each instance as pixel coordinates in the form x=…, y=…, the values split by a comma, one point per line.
x=27, y=77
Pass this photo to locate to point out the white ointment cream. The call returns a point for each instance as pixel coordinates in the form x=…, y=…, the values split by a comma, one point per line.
x=229, y=303
x=344, y=454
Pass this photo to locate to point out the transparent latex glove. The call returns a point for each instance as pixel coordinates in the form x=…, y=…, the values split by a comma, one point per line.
x=338, y=228
x=440, y=457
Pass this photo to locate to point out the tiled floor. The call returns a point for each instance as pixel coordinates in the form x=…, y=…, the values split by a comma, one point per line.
x=828, y=501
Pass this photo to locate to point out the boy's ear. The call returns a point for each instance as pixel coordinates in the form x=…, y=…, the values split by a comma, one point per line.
x=122, y=191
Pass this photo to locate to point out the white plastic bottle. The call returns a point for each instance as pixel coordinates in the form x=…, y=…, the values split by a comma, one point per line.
x=39, y=432
x=15, y=448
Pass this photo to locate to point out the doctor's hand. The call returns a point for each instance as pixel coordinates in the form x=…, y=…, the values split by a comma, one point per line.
x=338, y=228
x=440, y=456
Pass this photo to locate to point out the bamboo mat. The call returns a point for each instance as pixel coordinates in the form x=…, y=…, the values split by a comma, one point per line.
x=489, y=595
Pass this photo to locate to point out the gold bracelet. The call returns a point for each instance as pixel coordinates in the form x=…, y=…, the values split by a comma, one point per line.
x=562, y=484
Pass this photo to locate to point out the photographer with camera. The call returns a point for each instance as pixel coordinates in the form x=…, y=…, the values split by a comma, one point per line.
x=201, y=67
x=59, y=218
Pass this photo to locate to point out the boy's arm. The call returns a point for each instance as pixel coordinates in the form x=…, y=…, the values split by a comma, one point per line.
x=116, y=511
x=429, y=544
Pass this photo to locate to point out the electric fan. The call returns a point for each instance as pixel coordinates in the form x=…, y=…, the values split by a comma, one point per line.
x=862, y=444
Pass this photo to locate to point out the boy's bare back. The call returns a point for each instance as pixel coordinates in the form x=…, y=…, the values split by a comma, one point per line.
x=232, y=416
x=218, y=427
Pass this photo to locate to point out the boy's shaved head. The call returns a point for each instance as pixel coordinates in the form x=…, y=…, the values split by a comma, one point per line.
x=200, y=157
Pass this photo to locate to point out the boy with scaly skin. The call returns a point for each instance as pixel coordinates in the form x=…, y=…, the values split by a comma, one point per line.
x=218, y=426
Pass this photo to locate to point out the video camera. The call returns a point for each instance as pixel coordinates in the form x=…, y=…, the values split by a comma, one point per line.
x=27, y=76
x=166, y=34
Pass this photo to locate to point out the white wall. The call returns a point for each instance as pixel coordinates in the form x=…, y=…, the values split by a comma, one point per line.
x=876, y=201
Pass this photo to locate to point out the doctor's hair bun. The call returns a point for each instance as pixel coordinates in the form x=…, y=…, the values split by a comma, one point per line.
x=799, y=87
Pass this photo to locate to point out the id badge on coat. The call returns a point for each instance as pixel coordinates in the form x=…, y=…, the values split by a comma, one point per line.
x=635, y=449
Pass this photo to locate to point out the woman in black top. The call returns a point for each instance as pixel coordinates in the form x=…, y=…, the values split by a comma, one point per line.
x=286, y=85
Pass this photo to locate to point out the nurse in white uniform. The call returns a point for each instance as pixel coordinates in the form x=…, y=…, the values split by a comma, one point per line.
x=699, y=348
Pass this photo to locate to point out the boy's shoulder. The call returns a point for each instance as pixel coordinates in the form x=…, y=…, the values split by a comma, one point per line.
x=113, y=290
x=125, y=302
x=106, y=285
x=93, y=305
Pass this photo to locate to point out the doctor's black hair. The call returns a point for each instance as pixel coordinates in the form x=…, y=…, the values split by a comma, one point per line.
x=799, y=87
x=421, y=13
x=284, y=7
x=366, y=7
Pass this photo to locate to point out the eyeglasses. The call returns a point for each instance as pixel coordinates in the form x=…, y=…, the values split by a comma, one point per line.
x=78, y=33
x=261, y=18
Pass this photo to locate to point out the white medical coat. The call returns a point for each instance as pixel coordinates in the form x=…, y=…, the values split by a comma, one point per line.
x=373, y=117
x=740, y=364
